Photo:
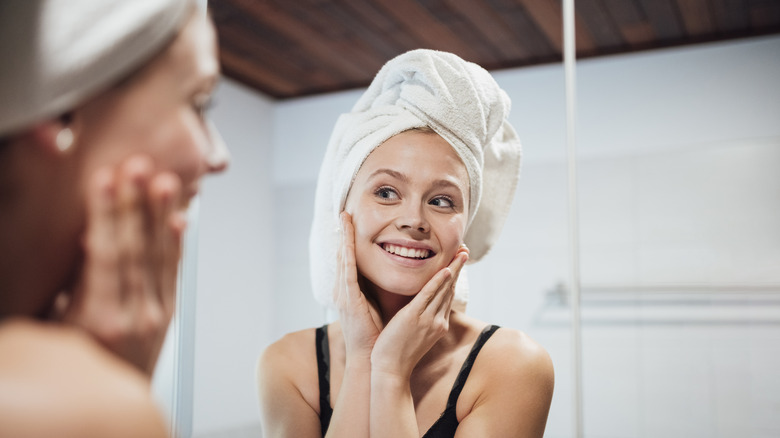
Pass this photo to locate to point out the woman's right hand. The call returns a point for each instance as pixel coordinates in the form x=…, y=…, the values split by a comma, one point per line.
x=126, y=293
x=360, y=321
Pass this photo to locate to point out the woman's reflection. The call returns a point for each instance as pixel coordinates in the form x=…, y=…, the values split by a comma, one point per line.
x=417, y=180
x=102, y=145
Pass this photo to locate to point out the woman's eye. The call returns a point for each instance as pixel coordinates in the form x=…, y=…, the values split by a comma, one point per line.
x=201, y=105
x=442, y=202
x=386, y=193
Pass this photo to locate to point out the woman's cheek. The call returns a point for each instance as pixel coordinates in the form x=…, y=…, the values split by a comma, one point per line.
x=362, y=238
x=180, y=151
x=453, y=236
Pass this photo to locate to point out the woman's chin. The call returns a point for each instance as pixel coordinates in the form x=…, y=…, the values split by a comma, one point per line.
x=397, y=283
x=407, y=290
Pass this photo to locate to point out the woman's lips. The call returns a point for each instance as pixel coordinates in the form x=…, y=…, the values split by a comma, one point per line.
x=405, y=255
x=405, y=251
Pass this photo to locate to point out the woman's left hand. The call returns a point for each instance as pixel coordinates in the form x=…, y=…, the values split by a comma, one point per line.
x=418, y=325
x=126, y=294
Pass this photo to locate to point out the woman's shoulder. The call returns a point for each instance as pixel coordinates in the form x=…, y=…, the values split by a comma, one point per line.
x=512, y=374
x=292, y=346
x=512, y=361
x=288, y=364
x=509, y=355
x=508, y=344
x=57, y=381
x=517, y=345
x=292, y=358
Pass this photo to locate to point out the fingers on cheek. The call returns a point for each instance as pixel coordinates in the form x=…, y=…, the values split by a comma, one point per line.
x=132, y=180
x=101, y=189
x=165, y=188
x=164, y=194
x=446, y=275
x=101, y=204
x=177, y=223
x=169, y=226
x=134, y=176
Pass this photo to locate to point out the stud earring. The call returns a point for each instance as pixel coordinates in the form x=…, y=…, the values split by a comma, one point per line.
x=64, y=139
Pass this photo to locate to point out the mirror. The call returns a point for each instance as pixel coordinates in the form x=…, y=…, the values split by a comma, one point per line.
x=677, y=158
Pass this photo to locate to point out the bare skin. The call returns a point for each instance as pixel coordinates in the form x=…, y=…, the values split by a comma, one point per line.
x=398, y=345
x=61, y=383
x=89, y=287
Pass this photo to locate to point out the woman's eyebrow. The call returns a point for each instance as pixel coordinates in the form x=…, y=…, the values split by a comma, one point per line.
x=391, y=172
x=402, y=177
x=447, y=183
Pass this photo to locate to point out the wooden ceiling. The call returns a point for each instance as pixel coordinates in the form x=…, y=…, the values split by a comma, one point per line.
x=292, y=48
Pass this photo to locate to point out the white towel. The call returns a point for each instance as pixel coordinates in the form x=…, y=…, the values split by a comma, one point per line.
x=54, y=54
x=461, y=102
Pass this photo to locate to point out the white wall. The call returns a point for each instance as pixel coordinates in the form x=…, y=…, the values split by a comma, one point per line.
x=236, y=266
x=679, y=183
x=680, y=186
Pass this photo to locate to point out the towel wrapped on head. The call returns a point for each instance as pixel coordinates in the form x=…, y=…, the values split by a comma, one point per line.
x=58, y=53
x=463, y=104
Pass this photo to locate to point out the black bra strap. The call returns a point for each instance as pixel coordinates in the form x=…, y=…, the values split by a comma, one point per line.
x=460, y=381
x=323, y=370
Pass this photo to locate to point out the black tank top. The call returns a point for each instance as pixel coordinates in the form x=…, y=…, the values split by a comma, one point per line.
x=447, y=423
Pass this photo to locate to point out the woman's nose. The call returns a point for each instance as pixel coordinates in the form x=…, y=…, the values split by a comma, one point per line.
x=413, y=217
x=218, y=156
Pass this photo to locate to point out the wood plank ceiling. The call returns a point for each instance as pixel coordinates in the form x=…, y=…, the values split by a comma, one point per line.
x=292, y=48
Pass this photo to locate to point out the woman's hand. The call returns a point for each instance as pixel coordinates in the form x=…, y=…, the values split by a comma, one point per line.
x=126, y=295
x=360, y=321
x=419, y=324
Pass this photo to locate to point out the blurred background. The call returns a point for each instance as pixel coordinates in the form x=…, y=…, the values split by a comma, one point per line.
x=678, y=137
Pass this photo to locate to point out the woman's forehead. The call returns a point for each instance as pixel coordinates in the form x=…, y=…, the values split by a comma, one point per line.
x=192, y=55
x=416, y=154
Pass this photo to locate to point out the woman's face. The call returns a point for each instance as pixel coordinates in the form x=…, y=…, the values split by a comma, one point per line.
x=159, y=112
x=409, y=206
x=156, y=112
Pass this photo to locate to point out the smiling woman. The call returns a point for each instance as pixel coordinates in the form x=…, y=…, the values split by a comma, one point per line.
x=416, y=181
x=409, y=212
x=104, y=143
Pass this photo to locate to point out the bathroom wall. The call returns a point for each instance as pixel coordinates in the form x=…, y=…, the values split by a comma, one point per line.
x=680, y=191
x=234, y=306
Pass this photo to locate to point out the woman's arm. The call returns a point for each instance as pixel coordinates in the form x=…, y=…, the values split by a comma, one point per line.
x=286, y=408
x=351, y=411
x=289, y=393
x=360, y=325
x=509, y=391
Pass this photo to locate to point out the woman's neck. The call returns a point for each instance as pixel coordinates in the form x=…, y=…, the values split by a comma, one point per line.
x=386, y=303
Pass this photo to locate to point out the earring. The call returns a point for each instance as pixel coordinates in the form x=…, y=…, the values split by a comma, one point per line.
x=64, y=139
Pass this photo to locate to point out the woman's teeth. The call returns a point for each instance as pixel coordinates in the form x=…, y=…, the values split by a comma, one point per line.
x=406, y=252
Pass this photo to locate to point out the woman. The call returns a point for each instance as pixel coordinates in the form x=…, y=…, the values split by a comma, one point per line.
x=102, y=145
x=424, y=163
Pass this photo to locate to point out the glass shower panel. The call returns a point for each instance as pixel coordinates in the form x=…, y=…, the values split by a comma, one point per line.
x=679, y=183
